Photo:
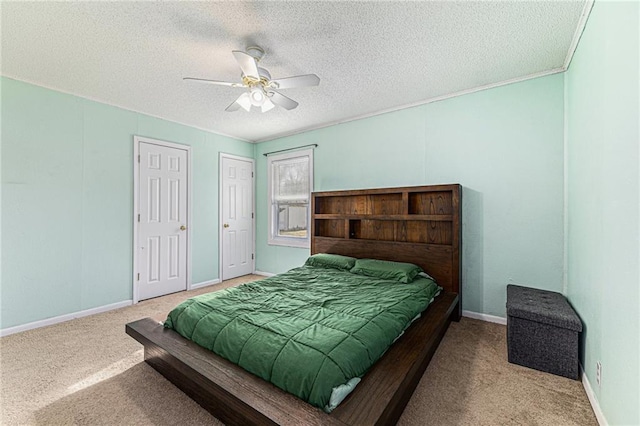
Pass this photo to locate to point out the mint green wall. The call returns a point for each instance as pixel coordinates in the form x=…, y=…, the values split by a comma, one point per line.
x=504, y=145
x=67, y=189
x=603, y=204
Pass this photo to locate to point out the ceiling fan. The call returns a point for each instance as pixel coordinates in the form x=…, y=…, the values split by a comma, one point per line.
x=261, y=91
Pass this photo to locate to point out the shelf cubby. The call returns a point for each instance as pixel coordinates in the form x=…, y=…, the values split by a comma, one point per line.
x=430, y=203
x=329, y=228
x=423, y=215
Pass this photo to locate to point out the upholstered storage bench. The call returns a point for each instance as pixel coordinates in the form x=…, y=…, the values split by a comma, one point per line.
x=542, y=331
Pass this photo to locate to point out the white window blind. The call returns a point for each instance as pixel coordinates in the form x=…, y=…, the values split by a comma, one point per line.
x=290, y=181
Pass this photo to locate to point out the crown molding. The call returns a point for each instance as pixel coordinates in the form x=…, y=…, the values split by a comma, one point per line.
x=415, y=104
x=66, y=92
x=582, y=23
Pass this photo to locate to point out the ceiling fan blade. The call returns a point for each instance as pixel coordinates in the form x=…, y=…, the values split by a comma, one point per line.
x=247, y=64
x=281, y=100
x=219, y=83
x=267, y=105
x=233, y=107
x=296, y=81
x=243, y=101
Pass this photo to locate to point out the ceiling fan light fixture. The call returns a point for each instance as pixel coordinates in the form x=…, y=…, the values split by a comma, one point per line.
x=257, y=96
x=267, y=106
x=245, y=102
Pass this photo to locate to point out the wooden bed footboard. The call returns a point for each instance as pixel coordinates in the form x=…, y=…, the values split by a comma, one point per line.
x=237, y=397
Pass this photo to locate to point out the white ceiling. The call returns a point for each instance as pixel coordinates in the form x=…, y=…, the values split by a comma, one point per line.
x=370, y=56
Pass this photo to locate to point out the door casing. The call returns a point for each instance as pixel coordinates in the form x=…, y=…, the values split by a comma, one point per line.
x=136, y=207
x=220, y=210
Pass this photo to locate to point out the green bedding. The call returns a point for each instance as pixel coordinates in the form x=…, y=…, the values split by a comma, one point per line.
x=306, y=331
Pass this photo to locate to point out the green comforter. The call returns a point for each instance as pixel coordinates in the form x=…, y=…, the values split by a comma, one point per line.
x=306, y=331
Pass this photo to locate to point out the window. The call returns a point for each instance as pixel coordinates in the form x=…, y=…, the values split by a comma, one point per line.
x=290, y=186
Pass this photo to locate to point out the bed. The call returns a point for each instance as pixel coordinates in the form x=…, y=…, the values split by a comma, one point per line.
x=420, y=225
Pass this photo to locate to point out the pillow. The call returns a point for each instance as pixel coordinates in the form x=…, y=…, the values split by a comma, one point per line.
x=335, y=261
x=427, y=276
x=384, y=269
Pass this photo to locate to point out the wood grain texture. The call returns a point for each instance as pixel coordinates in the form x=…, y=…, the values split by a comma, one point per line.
x=430, y=217
x=436, y=202
x=398, y=190
x=330, y=227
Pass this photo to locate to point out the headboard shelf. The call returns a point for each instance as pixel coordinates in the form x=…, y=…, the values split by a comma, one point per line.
x=431, y=217
x=419, y=224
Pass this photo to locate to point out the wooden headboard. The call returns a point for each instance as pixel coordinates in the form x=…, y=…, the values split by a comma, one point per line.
x=418, y=224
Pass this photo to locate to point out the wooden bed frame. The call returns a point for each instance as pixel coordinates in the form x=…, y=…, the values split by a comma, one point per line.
x=421, y=225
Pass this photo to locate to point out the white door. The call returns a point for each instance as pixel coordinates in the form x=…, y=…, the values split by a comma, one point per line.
x=162, y=231
x=237, y=217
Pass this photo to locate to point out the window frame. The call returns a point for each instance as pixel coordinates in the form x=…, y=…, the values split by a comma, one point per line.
x=273, y=238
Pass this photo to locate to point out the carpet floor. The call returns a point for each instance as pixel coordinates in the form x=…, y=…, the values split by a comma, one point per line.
x=89, y=372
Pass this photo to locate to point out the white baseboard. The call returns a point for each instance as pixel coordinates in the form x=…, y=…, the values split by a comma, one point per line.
x=484, y=317
x=264, y=274
x=63, y=318
x=204, y=284
x=602, y=421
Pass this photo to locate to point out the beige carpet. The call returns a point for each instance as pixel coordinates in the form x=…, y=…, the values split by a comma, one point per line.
x=89, y=372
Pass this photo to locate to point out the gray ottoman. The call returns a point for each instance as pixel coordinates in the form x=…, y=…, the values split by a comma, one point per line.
x=542, y=331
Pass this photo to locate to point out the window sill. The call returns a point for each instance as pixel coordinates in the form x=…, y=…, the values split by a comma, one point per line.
x=286, y=242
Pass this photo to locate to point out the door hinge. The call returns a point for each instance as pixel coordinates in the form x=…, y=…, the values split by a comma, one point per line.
x=251, y=215
x=251, y=256
x=138, y=158
x=138, y=276
x=138, y=217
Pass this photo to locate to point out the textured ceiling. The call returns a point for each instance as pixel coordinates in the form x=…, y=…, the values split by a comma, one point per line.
x=370, y=56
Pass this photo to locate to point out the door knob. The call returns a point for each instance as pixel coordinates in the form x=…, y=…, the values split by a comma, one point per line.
x=182, y=227
x=226, y=225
